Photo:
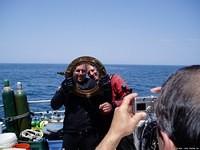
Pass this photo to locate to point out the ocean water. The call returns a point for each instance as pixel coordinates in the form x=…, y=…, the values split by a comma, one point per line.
x=40, y=81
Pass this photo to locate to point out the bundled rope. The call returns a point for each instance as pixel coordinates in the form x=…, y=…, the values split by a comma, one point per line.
x=33, y=135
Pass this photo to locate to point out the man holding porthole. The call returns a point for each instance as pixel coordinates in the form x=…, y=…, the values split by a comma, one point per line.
x=81, y=98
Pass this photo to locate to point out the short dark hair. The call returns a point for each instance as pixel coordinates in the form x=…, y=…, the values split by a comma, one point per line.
x=178, y=107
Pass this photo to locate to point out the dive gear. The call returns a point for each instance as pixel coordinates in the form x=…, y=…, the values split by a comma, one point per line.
x=9, y=108
x=22, y=108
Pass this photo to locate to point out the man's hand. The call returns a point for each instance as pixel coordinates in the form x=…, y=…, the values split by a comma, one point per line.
x=105, y=107
x=67, y=84
x=125, y=120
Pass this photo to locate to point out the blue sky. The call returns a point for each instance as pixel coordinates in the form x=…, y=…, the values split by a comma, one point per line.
x=114, y=31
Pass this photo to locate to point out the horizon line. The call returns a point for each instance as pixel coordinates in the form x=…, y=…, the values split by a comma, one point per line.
x=125, y=64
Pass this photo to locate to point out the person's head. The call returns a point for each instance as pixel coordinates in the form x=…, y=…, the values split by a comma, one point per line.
x=178, y=109
x=92, y=72
x=80, y=73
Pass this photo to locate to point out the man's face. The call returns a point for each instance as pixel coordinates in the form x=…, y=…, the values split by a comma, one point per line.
x=93, y=73
x=80, y=73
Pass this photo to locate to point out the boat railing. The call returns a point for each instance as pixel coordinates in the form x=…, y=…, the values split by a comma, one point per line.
x=36, y=101
x=140, y=101
x=52, y=114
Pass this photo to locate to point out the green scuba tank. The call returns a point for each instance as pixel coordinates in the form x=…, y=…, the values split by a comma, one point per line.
x=22, y=108
x=9, y=108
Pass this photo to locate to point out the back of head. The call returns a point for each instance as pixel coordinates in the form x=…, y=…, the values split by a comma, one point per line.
x=178, y=107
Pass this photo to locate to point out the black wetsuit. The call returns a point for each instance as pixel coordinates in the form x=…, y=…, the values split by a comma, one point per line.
x=82, y=120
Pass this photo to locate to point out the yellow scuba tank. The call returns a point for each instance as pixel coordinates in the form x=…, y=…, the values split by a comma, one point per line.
x=9, y=108
x=22, y=108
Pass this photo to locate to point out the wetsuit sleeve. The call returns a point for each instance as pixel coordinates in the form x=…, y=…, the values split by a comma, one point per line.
x=58, y=99
x=119, y=89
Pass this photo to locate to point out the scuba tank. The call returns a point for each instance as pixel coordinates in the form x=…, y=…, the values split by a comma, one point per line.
x=9, y=108
x=22, y=108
